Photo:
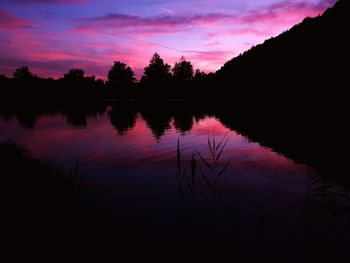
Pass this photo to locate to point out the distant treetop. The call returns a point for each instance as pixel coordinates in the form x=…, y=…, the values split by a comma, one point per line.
x=120, y=75
x=74, y=74
x=183, y=70
x=157, y=71
x=23, y=73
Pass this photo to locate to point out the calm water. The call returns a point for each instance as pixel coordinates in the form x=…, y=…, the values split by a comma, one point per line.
x=129, y=169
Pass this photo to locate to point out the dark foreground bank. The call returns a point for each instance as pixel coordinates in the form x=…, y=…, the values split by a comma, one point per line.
x=42, y=219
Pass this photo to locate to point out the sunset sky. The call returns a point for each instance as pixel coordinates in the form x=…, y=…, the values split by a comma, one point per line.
x=52, y=36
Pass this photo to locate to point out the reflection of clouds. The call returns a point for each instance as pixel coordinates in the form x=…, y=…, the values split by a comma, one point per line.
x=119, y=163
x=210, y=126
x=99, y=143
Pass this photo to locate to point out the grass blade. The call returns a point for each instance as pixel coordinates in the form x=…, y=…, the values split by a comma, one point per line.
x=210, y=148
x=207, y=201
x=217, y=158
x=189, y=186
x=208, y=182
x=223, y=169
x=183, y=174
x=178, y=155
x=202, y=158
x=220, y=194
x=214, y=146
x=193, y=167
x=218, y=146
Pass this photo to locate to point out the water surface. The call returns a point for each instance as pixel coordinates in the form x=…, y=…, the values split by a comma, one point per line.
x=129, y=166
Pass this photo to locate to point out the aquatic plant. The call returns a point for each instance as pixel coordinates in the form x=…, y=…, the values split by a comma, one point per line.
x=211, y=173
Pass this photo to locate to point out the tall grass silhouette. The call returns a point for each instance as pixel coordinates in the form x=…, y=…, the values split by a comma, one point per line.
x=211, y=170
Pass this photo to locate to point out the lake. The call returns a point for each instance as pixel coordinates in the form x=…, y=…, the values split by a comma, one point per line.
x=254, y=201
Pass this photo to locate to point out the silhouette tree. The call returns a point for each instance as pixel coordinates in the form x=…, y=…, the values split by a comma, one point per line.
x=157, y=72
x=183, y=70
x=120, y=79
x=23, y=73
x=74, y=74
x=199, y=75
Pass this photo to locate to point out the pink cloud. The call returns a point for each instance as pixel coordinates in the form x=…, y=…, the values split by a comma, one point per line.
x=210, y=60
x=9, y=21
x=167, y=11
x=213, y=43
x=281, y=11
x=46, y=59
x=126, y=20
x=208, y=40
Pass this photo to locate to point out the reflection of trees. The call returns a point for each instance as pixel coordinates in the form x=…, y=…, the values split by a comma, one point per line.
x=122, y=118
x=327, y=217
x=27, y=119
x=158, y=120
x=75, y=115
x=183, y=121
x=158, y=116
x=6, y=115
x=77, y=119
x=327, y=198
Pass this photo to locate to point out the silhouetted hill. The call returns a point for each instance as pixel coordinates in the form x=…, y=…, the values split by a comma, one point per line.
x=290, y=93
x=309, y=54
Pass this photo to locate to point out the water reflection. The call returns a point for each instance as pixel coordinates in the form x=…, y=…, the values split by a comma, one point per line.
x=77, y=119
x=122, y=118
x=127, y=155
x=75, y=116
x=158, y=120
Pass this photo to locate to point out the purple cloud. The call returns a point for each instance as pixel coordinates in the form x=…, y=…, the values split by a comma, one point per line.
x=125, y=20
x=10, y=21
x=104, y=31
x=50, y=1
x=281, y=10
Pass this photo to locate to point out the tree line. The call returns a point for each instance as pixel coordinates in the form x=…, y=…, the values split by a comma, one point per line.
x=158, y=80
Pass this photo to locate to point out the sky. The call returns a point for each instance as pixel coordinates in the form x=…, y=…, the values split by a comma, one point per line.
x=53, y=36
